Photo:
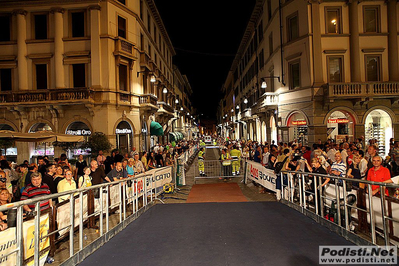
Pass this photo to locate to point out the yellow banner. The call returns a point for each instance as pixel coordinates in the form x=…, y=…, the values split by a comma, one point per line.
x=29, y=235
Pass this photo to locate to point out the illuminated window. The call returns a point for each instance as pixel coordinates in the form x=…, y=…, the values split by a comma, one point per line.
x=333, y=20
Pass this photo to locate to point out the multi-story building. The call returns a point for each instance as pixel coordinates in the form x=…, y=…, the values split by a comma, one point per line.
x=77, y=67
x=311, y=70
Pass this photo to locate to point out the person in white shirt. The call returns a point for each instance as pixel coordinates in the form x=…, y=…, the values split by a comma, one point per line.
x=156, y=149
x=331, y=153
x=363, y=164
x=265, y=156
x=344, y=154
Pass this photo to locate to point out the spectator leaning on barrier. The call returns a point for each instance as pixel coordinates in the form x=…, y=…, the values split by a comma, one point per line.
x=97, y=173
x=36, y=189
x=378, y=174
x=5, y=198
x=85, y=180
x=138, y=166
x=339, y=167
x=117, y=173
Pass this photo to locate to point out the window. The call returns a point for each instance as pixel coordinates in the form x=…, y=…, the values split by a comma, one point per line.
x=141, y=9
x=122, y=1
x=261, y=59
x=78, y=24
x=149, y=50
x=123, y=84
x=333, y=20
x=155, y=33
x=293, y=27
x=371, y=19
x=41, y=76
x=79, y=75
x=40, y=26
x=142, y=42
x=271, y=44
x=269, y=10
x=121, y=27
x=5, y=79
x=373, y=67
x=335, y=69
x=295, y=75
x=149, y=22
x=260, y=31
x=5, y=29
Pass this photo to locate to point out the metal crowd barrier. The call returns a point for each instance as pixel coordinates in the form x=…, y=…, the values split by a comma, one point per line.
x=147, y=196
x=214, y=169
x=297, y=190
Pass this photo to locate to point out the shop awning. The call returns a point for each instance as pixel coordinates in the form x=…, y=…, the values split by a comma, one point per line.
x=43, y=136
x=156, y=129
x=175, y=136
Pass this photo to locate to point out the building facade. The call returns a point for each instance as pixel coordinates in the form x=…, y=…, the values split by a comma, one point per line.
x=315, y=70
x=76, y=67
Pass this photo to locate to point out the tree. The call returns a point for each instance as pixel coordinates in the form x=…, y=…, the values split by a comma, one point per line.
x=98, y=142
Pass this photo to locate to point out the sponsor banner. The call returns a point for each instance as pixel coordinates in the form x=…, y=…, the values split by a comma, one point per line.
x=259, y=174
x=8, y=243
x=29, y=235
x=63, y=214
x=299, y=123
x=160, y=177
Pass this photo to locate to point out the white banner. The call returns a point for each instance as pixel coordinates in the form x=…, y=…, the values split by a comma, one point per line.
x=8, y=243
x=63, y=217
x=259, y=174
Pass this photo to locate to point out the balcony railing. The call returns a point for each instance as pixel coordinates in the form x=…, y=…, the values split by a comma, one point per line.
x=145, y=60
x=148, y=99
x=166, y=107
x=32, y=96
x=370, y=89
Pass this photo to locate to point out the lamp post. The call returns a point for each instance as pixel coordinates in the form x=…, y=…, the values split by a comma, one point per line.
x=264, y=84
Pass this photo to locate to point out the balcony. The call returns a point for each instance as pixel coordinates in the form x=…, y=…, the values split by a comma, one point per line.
x=145, y=61
x=362, y=91
x=124, y=48
x=165, y=109
x=31, y=97
x=148, y=102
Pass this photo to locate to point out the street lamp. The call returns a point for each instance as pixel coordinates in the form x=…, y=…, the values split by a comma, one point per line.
x=181, y=108
x=232, y=110
x=264, y=84
x=153, y=79
x=245, y=100
x=177, y=101
x=165, y=90
x=238, y=107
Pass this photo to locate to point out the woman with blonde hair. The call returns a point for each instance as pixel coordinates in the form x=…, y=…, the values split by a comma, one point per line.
x=5, y=198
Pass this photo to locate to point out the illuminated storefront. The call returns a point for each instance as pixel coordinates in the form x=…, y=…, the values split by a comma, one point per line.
x=378, y=126
x=124, y=137
x=79, y=128
x=298, y=128
x=340, y=126
x=41, y=148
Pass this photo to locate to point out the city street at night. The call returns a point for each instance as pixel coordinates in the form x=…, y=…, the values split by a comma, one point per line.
x=153, y=132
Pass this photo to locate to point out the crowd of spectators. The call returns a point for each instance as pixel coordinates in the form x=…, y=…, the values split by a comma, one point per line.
x=347, y=159
x=30, y=180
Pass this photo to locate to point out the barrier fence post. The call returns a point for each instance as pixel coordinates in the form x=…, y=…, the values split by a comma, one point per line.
x=316, y=201
x=20, y=237
x=101, y=212
x=81, y=221
x=303, y=191
x=338, y=205
x=37, y=236
x=137, y=198
x=120, y=202
x=345, y=206
x=371, y=210
x=124, y=200
x=383, y=210
x=72, y=224
x=300, y=190
x=321, y=198
x=107, y=210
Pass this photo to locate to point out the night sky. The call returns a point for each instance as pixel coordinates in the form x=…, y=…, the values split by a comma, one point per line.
x=206, y=36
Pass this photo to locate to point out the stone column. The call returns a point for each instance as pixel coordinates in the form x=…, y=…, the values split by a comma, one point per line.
x=59, y=47
x=22, y=50
x=95, y=46
x=359, y=130
x=393, y=41
x=317, y=51
x=354, y=42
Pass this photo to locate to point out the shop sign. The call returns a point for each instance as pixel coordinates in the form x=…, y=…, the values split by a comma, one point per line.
x=338, y=121
x=79, y=132
x=299, y=123
x=123, y=131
